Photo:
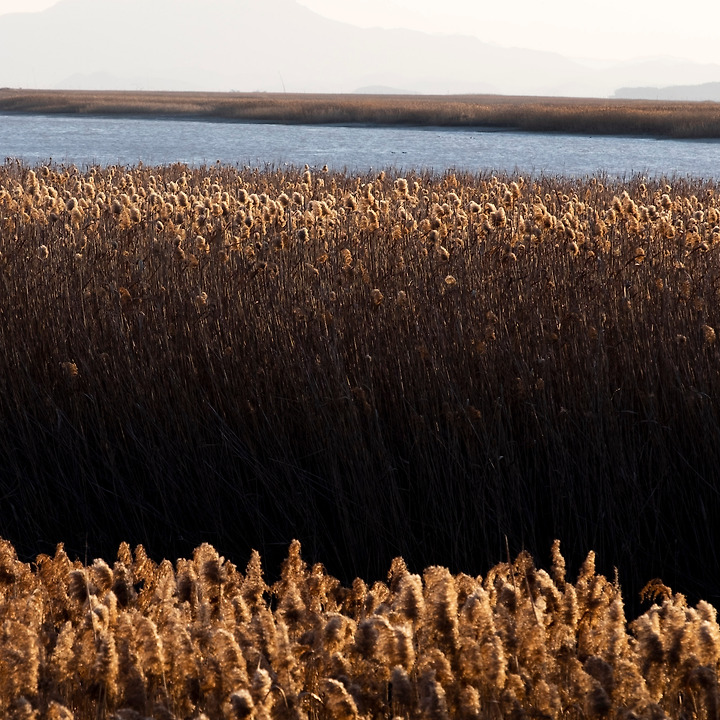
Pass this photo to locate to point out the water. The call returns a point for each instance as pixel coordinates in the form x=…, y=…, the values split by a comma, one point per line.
x=87, y=141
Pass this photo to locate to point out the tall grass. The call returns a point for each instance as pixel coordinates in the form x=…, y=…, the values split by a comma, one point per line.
x=548, y=114
x=200, y=639
x=378, y=365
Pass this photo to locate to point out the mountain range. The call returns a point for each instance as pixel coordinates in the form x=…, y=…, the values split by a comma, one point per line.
x=703, y=92
x=280, y=45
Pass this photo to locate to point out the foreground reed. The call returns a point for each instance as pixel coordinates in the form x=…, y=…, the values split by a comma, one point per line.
x=377, y=365
x=200, y=639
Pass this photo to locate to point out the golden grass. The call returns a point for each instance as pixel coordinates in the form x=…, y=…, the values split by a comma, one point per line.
x=377, y=365
x=548, y=114
x=201, y=639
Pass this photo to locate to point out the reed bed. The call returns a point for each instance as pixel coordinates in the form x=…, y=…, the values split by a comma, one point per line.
x=534, y=114
x=426, y=366
x=201, y=639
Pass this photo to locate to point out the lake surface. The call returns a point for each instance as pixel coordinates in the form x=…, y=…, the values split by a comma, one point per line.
x=87, y=141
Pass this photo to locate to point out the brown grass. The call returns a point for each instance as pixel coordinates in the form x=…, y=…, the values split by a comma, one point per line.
x=571, y=115
x=200, y=639
x=376, y=365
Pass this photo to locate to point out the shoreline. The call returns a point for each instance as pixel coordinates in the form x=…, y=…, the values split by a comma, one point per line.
x=177, y=117
x=577, y=116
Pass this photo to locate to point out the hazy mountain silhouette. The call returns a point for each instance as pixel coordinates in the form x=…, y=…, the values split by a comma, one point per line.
x=273, y=45
x=704, y=92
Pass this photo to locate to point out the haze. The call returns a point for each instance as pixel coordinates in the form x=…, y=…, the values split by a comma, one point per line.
x=611, y=30
x=656, y=44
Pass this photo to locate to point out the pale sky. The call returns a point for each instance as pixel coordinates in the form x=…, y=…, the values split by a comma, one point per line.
x=611, y=30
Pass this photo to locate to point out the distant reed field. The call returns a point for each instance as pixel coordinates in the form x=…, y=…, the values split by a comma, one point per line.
x=202, y=640
x=540, y=114
x=427, y=366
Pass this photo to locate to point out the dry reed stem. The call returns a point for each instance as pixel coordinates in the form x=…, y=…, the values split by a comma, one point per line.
x=483, y=647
